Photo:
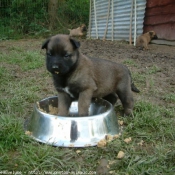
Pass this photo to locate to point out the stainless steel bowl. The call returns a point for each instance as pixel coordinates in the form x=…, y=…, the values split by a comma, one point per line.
x=72, y=131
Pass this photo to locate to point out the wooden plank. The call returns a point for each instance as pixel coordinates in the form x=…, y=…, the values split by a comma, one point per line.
x=163, y=42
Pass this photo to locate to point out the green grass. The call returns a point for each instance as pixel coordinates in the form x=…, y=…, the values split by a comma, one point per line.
x=129, y=62
x=26, y=60
x=152, y=123
x=153, y=70
x=169, y=97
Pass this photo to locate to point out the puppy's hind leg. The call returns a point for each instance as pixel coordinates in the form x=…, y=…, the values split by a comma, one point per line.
x=145, y=46
x=126, y=97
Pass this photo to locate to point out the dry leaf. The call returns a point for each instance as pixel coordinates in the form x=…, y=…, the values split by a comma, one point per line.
x=111, y=172
x=120, y=122
x=116, y=136
x=120, y=155
x=53, y=110
x=78, y=151
x=140, y=143
x=111, y=162
x=109, y=137
x=101, y=143
x=37, y=104
x=28, y=133
x=128, y=140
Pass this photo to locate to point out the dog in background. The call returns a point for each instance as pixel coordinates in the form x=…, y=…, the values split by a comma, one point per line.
x=78, y=77
x=144, y=39
x=78, y=31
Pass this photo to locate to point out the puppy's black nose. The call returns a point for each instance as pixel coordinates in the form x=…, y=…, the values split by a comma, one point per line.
x=55, y=66
x=55, y=69
x=84, y=29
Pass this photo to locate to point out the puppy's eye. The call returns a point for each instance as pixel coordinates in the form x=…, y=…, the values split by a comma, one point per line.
x=49, y=54
x=67, y=56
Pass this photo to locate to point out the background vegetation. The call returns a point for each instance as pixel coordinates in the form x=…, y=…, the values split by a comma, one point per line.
x=22, y=18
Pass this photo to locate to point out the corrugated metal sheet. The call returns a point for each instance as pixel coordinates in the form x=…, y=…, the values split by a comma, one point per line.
x=118, y=27
x=160, y=17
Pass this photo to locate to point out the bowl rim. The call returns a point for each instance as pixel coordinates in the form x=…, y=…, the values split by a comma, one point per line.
x=101, y=115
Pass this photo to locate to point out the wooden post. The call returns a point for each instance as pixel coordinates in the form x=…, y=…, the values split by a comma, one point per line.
x=135, y=28
x=130, y=33
x=95, y=15
x=89, y=27
x=109, y=3
x=52, y=11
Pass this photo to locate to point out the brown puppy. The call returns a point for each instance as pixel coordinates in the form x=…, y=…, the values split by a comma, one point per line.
x=144, y=39
x=78, y=31
x=77, y=77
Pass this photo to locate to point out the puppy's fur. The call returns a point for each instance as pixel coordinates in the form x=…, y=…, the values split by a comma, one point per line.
x=78, y=31
x=77, y=77
x=144, y=39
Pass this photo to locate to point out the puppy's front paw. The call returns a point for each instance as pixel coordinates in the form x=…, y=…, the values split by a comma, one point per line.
x=128, y=112
x=63, y=113
x=83, y=114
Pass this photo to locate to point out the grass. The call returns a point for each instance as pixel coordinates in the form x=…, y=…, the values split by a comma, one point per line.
x=151, y=151
x=129, y=62
x=169, y=97
x=153, y=70
x=25, y=60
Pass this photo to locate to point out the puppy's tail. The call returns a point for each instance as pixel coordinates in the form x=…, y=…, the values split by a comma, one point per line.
x=133, y=88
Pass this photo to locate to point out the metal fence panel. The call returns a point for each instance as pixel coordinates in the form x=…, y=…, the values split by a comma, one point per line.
x=119, y=19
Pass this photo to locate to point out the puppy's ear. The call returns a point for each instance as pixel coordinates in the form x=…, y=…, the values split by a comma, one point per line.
x=76, y=44
x=44, y=46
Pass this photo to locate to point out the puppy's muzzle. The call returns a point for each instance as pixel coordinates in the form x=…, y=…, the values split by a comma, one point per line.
x=84, y=29
x=155, y=37
x=55, y=69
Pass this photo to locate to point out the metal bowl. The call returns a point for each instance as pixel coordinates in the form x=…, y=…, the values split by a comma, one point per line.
x=72, y=131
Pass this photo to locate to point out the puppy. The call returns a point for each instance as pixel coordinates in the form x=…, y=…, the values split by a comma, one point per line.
x=144, y=39
x=78, y=77
x=78, y=31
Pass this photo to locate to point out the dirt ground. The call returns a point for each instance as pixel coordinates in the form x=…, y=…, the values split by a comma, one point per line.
x=153, y=70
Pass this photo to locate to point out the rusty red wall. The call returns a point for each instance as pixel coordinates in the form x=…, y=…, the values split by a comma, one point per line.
x=160, y=17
